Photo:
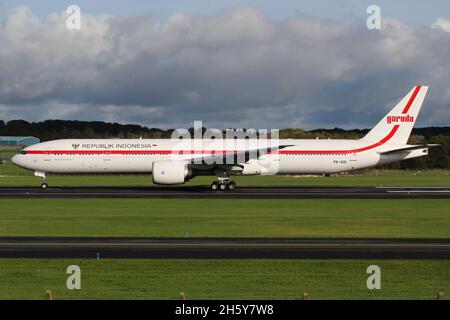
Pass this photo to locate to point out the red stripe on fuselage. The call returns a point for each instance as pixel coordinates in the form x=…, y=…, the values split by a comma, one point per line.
x=379, y=143
x=107, y=152
x=186, y=152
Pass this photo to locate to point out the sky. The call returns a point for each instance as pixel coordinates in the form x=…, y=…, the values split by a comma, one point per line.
x=259, y=64
x=411, y=12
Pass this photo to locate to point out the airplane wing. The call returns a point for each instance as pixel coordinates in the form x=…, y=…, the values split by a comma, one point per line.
x=408, y=148
x=235, y=157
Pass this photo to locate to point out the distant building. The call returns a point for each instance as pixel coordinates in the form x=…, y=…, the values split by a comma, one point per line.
x=18, y=141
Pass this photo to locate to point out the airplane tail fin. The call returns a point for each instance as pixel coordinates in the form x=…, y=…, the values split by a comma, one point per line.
x=397, y=125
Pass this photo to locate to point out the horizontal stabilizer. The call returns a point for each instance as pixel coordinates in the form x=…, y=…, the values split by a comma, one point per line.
x=408, y=148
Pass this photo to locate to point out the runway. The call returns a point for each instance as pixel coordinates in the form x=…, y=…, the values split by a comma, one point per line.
x=223, y=248
x=199, y=192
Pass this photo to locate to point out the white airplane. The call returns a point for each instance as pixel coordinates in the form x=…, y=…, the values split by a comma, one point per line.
x=173, y=161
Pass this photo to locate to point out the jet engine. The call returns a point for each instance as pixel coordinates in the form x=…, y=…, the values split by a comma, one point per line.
x=170, y=172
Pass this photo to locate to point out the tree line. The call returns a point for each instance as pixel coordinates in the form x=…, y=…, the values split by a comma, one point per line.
x=439, y=157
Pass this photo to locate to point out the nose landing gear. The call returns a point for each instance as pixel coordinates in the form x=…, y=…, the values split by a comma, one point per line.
x=44, y=184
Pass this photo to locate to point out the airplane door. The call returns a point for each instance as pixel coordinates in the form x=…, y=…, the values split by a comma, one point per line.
x=352, y=160
x=107, y=156
x=47, y=156
x=106, y=160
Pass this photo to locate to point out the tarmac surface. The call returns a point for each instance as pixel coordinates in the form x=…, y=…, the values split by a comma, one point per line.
x=223, y=248
x=282, y=192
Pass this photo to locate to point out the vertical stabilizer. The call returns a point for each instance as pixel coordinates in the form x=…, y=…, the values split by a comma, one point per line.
x=398, y=123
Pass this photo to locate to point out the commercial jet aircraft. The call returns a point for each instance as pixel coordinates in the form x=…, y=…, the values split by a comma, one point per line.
x=172, y=161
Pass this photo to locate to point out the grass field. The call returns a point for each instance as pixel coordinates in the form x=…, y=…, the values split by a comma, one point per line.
x=224, y=279
x=224, y=218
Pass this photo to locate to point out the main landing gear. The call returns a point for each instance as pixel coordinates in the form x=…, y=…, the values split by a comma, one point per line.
x=223, y=182
x=44, y=184
x=223, y=185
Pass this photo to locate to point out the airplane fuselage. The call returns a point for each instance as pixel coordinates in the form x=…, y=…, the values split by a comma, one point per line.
x=125, y=156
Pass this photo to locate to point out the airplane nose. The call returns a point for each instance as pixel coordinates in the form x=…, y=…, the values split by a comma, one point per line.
x=17, y=160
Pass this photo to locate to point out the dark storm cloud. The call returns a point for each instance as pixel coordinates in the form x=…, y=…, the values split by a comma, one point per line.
x=235, y=68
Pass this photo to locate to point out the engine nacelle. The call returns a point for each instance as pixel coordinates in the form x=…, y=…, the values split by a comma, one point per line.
x=170, y=172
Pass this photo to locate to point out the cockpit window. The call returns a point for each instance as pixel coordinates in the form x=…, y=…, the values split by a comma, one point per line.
x=23, y=152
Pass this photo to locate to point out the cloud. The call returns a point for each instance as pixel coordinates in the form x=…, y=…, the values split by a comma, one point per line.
x=442, y=24
x=230, y=69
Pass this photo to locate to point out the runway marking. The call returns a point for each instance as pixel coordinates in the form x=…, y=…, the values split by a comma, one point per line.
x=224, y=248
x=419, y=191
x=417, y=187
x=262, y=245
x=263, y=192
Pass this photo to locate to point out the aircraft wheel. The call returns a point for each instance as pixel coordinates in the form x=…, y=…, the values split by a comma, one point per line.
x=222, y=187
x=44, y=185
x=231, y=186
x=214, y=186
